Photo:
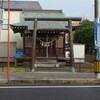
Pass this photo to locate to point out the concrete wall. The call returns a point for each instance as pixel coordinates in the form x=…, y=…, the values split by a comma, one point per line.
x=4, y=51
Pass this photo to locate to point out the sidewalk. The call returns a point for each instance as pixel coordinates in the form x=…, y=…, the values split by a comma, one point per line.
x=47, y=76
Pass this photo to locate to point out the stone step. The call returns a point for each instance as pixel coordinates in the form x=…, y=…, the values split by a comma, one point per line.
x=46, y=65
x=49, y=64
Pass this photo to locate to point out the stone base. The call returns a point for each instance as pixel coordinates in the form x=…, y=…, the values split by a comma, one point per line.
x=57, y=65
x=97, y=75
x=33, y=70
x=72, y=69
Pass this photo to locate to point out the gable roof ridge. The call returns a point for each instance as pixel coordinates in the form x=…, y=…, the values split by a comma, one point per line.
x=53, y=11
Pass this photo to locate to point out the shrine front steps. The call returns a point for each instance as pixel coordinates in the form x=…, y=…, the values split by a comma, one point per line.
x=48, y=63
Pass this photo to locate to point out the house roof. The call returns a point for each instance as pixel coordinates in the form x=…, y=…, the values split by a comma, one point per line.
x=20, y=5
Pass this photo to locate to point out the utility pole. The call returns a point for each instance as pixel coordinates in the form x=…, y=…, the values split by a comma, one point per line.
x=97, y=38
x=8, y=64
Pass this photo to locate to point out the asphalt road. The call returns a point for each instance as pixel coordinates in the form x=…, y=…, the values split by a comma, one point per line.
x=50, y=93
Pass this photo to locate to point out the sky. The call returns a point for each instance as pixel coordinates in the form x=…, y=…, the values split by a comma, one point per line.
x=71, y=8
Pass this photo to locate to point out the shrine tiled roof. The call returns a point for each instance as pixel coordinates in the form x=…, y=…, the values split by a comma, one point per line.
x=42, y=24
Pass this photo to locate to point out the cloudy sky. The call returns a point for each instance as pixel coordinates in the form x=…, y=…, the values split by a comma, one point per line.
x=71, y=8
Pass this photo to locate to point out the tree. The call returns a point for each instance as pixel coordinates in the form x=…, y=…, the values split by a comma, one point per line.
x=85, y=35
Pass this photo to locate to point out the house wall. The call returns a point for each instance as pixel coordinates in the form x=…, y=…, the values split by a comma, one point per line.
x=14, y=18
x=79, y=53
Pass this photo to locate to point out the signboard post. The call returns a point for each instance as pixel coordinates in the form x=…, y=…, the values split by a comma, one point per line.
x=97, y=39
x=96, y=32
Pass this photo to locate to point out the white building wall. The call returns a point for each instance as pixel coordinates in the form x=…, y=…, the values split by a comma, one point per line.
x=79, y=52
x=14, y=18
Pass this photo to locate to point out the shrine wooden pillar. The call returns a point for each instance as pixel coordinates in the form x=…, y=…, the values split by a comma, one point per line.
x=57, y=48
x=47, y=46
x=34, y=44
x=72, y=69
x=24, y=42
x=64, y=44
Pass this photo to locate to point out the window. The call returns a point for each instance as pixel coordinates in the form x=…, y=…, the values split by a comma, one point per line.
x=5, y=24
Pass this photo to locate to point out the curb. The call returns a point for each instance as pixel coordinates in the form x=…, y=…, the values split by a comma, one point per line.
x=51, y=82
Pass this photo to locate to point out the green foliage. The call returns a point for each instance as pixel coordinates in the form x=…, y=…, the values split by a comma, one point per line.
x=85, y=35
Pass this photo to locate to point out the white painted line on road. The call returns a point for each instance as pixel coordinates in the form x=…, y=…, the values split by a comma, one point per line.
x=22, y=87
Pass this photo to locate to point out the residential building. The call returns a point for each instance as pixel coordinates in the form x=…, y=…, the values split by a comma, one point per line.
x=1, y=13
x=16, y=7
